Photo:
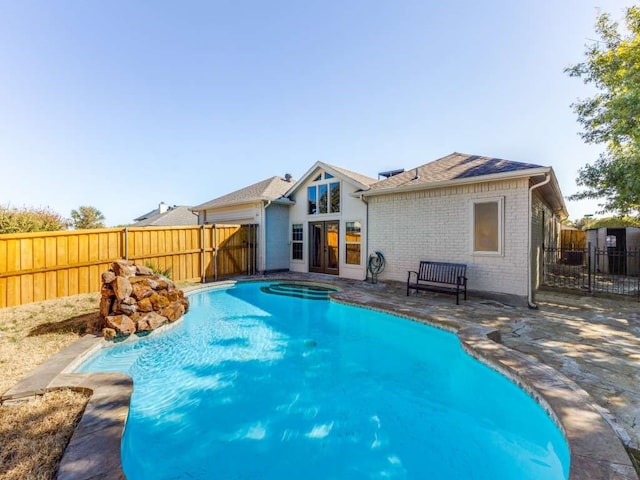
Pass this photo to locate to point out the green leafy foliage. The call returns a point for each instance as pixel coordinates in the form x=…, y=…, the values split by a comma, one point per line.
x=612, y=116
x=585, y=223
x=614, y=222
x=159, y=271
x=30, y=219
x=87, y=217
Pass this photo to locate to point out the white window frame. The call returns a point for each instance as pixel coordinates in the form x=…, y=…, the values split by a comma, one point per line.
x=316, y=184
x=353, y=243
x=500, y=251
x=301, y=242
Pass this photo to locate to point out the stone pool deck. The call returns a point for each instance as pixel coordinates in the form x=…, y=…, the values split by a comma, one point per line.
x=592, y=345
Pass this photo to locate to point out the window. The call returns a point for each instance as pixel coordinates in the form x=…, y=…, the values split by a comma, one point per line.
x=352, y=242
x=323, y=197
x=312, y=200
x=322, y=203
x=487, y=226
x=296, y=241
x=334, y=196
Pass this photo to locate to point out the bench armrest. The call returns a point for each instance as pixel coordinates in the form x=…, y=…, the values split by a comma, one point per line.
x=409, y=275
x=462, y=280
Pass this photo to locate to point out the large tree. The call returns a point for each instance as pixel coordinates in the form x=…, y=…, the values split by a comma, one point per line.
x=87, y=217
x=612, y=116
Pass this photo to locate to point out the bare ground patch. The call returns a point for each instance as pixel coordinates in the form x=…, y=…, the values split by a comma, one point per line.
x=34, y=434
x=29, y=334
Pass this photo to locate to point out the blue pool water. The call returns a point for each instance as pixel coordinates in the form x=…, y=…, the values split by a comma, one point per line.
x=253, y=385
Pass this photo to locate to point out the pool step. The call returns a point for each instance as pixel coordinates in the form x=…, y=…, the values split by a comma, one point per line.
x=299, y=290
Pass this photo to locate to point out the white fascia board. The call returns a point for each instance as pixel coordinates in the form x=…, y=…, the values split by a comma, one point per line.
x=563, y=211
x=343, y=177
x=303, y=179
x=326, y=168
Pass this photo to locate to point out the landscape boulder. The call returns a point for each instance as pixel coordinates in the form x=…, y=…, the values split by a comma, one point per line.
x=134, y=299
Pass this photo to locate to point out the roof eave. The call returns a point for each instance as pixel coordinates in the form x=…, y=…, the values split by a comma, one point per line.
x=531, y=172
x=283, y=201
x=335, y=173
x=561, y=209
x=251, y=201
x=201, y=208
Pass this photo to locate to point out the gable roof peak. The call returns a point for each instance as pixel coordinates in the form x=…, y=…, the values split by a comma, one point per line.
x=357, y=179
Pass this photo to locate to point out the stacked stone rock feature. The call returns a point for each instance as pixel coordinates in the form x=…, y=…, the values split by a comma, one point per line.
x=134, y=299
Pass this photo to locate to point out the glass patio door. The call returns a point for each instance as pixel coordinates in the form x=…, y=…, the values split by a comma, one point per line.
x=324, y=247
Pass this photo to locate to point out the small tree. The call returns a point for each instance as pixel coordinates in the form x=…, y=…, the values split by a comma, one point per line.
x=612, y=116
x=30, y=219
x=87, y=217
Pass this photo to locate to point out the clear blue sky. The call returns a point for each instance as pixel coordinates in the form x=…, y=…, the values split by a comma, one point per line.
x=123, y=104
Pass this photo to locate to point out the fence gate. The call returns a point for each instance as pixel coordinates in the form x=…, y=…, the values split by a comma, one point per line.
x=608, y=270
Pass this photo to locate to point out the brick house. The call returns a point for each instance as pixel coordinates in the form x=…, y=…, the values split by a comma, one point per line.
x=493, y=215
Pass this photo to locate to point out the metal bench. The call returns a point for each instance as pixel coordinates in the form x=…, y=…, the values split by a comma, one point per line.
x=439, y=277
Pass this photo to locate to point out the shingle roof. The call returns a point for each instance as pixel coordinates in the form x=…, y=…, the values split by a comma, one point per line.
x=456, y=166
x=177, y=215
x=153, y=212
x=269, y=189
x=353, y=175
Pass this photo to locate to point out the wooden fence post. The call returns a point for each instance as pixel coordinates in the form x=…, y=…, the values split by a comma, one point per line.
x=126, y=243
x=215, y=252
x=202, y=258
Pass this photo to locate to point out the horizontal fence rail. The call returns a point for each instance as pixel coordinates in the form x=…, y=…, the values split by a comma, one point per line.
x=593, y=270
x=46, y=265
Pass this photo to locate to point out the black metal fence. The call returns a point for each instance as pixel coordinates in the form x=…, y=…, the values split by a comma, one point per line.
x=593, y=270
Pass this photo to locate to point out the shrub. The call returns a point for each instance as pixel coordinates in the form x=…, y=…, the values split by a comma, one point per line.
x=30, y=219
x=158, y=271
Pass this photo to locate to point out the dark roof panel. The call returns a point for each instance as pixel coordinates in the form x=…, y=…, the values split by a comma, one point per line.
x=453, y=167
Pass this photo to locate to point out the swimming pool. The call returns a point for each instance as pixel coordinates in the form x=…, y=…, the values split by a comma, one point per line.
x=256, y=385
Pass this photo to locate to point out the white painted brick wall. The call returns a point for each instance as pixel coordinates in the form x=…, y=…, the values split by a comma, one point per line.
x=545, y=228
x=437, y=225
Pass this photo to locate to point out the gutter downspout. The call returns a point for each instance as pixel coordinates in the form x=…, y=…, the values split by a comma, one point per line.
x=366, y=237
x=530, y=240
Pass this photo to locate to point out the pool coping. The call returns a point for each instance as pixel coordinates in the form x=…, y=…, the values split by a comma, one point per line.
x=596, y=452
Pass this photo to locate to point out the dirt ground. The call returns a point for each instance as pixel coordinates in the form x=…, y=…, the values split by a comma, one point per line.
x=35, y=432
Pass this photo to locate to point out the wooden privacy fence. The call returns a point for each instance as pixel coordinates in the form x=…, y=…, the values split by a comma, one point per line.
x=45, y=265
x=573, y=239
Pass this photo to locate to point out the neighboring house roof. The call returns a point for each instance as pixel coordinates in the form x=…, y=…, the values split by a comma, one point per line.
x=361, y=181
x=270, y=189
x=150, y=214
x=176, y=215
x=458, y=168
